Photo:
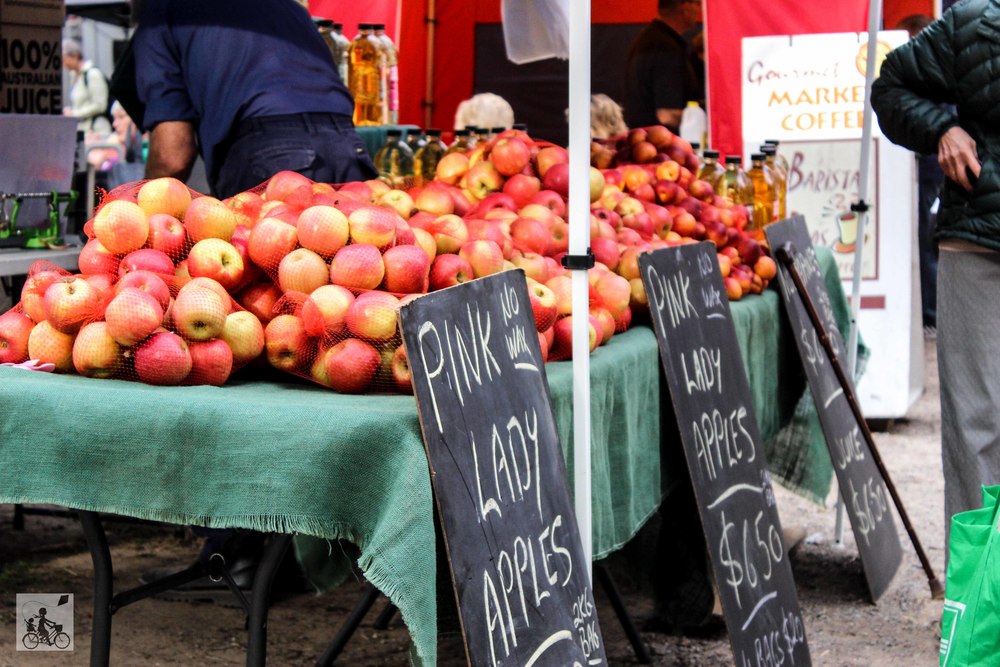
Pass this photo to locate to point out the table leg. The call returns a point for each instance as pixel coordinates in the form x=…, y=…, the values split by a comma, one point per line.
x=18, y=517
x=383, y=619
x=100, y=635
x=264, y=577
x=348, y=628
x=608, y=584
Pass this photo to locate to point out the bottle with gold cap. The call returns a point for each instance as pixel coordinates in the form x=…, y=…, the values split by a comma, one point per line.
x=461, y=142
x=394, y=160
x=427, y=157
x=763, y=193
x=710, y=170
x=735, y=186
x=363, y=77
x=780, y=180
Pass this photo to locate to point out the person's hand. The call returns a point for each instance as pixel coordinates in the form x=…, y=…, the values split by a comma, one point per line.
x=67, y=111
x=957, y=157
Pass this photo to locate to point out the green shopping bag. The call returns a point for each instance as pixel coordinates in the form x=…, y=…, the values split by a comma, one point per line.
x=970, y=621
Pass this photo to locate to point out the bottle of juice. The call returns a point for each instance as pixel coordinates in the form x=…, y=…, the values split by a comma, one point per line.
x=344, y=46
x=461, y=142
x=325, y=27
x=415, y=139
x=735, y=186
x=427, y=157
x=363, y=78
x=764, y=192
x=780, y=181
x=383, y=74
x=392, y=75
x=711, y=171
x=394, y=160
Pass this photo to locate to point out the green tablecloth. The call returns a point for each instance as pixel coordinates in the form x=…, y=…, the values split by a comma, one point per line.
x=299, y=459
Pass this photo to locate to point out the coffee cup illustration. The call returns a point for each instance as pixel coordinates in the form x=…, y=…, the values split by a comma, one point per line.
x=848, y=223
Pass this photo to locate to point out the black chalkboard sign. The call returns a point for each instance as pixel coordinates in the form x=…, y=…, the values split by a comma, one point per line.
x=725, y=454
x=522, y=584
x=861, y=485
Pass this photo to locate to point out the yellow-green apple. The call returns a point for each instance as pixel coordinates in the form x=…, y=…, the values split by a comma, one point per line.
x=270, y=240
x=211, y=362
x=199, y=313
x=351, y=365
x=434, y=199
x=317, y=369
x=530, y=235
x=562, y=286
x=628, y=264
x=373, y=316
x=146, y=259
x=95, y=258
x=323, y=229
x=246, y=205
x=596, y=184
x=521, y=188
x=485, y=257
x=611, y=197
x=163, y=359
x=15, y=331
x=451, y=168
x=132, y=315
x=325, y=310
x=449, y=270
x=49, y=345
x=533, y=265
x=33, y=293
x=244, y=334
x=425, y=240
x=638, y=298
x=95, y=352
x=450, y=233
x=543, y=305
x=216, y=259
x=69, y=302
x=401, y=373
x=406, y=269
x=164, y=195
x=288, y=346
x=538, y=212
x=260, y=299
x=482, y=179
x=167, y=234
x=147, y=282
x=357, y=266
x=605, y=251
x=548, y=156
x=121, y=226
x=559, y=242
x=285, y=184
x=373, y=225
x=510, y=156
x=209, y=218
x=399, y=201
x=302, y=270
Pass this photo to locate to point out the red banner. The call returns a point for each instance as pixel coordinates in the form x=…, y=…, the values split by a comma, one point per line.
x=727, y=23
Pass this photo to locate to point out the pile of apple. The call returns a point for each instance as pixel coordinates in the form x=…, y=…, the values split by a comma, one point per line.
x=652, y=197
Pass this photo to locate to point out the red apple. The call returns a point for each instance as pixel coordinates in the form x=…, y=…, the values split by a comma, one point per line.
x=285, y=184
x=562, y=287
x=95, y=258
x=146, y=259
x=132, y=315
x=373, y=225
x=407, y=269
x=15, y=330
x=551, y=200
x=543, y=305
x=209, y=218
x=373, y=315
x=211, y=362
x=260, y=299
x=435, y=199
x=121, y=226
x=69, y=302
x=521, y=188
x=533, y=265
x=605, y=251
x=147, y=282
x=270, y=240
x=216, y=259
x=33, y=292
x=323, y=229
x=425, y=240
x=449, y=270
x=167, y=234
x=451, y=168
x=482, y=179
x=351, y=365
x=198, y=313
x=287, y=343
x=325, y=310
x=164, y=359
x=510, y=156
x=548, y=156
x=485, y=257
x=46, y=344
x=530, y=235
x=357, y=266
x=557, y=179
x=402, y=375
x=450, y=233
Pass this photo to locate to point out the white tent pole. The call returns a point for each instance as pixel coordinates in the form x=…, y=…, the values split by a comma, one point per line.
x=861, y=208
x=579, y=245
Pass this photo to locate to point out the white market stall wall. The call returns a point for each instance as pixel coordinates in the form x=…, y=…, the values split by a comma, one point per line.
x=807, y=91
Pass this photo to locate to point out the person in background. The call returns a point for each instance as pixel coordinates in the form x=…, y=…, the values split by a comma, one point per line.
x=929, y=179
x=662, y=69
x=131, y=165
x=606, y=118
x=484, y=110
x=254, y=92
x=88, y=92
x=951, y=62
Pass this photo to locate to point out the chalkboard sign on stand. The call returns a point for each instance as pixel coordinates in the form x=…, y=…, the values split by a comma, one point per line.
x=725, y=455
x=523, y=587
x=861, y=484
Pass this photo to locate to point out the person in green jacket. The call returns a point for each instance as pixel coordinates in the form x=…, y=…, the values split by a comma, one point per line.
x=940, y=93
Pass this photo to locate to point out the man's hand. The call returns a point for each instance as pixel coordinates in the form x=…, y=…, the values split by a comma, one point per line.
x=957, y=156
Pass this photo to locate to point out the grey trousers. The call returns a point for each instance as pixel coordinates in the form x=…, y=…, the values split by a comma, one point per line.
x=968, y=344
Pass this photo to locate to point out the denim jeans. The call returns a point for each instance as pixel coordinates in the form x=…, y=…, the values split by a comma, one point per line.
x=321, y=146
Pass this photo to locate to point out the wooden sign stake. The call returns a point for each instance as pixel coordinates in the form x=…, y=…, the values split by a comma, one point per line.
x=786, y=255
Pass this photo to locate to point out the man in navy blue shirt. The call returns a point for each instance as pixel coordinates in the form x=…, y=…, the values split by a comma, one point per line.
x=252, y=87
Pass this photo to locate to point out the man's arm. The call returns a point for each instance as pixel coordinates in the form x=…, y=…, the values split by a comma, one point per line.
x=671, y=117
x=172, y=150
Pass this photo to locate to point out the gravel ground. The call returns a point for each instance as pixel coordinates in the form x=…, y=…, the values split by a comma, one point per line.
x=842, y=627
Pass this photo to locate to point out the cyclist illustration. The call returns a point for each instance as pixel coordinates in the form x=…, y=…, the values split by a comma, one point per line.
x=38, y=634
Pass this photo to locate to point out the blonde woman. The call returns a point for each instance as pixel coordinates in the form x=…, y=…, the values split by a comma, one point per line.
x=606, y=118
x=484, y=110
